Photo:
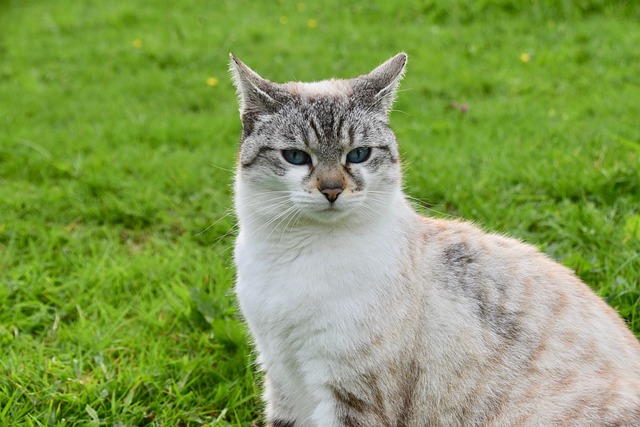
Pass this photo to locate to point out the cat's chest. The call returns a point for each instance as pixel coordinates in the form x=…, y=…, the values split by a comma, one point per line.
x=291, y=292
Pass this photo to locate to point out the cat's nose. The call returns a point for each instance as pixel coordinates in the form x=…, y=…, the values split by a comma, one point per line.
x=331, y=193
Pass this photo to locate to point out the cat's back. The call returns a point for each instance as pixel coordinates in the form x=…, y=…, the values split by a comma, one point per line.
x=533, y=338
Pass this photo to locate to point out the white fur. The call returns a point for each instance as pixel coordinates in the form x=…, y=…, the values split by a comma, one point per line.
x=304, y=296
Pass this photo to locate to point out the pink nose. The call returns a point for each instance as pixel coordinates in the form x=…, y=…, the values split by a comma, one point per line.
x=331, y=193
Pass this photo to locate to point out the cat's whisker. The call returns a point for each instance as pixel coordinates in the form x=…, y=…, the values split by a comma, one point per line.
x=231, y=231
x=293, y=218
x=274, y=219
x=221, y=168
x=227, y=214
x=267, y=197
x=289, y=216
x=268, y=208
x=269, y=222
x=419, y=204
x=264, y=201
x=280, y=219
x=368, y=212
x=260, y=201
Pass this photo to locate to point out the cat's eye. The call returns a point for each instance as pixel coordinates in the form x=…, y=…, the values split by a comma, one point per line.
x=359, y=155
x=296, y=157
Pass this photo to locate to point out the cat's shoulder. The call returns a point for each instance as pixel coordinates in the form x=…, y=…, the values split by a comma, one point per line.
x=464, y=233
x=457, y=244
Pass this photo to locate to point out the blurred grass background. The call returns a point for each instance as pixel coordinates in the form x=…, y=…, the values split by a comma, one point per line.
x=118, y=133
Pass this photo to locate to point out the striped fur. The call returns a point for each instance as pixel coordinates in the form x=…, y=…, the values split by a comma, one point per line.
x=366, y=314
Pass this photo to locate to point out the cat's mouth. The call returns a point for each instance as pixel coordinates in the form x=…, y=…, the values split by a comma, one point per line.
x=330, y=213
x=325, y=211
x=331, y=208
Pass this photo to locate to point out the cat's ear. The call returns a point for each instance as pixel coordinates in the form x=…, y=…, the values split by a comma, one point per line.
x=379, y=87
x=255, y=94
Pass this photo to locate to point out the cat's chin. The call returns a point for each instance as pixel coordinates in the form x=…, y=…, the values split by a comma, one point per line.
x=330, y=215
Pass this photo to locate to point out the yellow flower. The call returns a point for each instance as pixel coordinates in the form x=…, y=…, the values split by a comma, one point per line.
x=525, y=57
x=212, y=81
x=284, y=20
x=312, y=23
x=137, y=43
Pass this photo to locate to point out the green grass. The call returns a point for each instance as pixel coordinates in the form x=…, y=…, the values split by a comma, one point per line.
x=116, y=160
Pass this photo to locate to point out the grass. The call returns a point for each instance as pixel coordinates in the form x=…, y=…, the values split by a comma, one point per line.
x=118, y=132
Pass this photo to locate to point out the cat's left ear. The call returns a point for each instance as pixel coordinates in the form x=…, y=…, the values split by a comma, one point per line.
x=257, y=95
x=379, y=87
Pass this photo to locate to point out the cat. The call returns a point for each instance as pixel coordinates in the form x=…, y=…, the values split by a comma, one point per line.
x=365, y=313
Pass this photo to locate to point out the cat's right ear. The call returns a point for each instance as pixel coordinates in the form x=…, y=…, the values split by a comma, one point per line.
x=377, y=90
x=255, y=94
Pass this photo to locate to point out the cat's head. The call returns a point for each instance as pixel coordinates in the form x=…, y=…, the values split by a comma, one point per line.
x=319, y=151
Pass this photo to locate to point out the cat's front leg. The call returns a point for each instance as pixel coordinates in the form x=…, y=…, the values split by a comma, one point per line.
x=280, y=423
x=342, y=406
x=326, y=412
x=279, y=413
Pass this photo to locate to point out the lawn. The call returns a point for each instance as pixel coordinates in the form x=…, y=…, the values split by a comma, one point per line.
x=118, y=134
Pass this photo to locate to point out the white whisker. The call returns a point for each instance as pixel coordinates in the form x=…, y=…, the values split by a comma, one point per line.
x=229, y=212
x=293, y=217
x=282, y=216
x=221, y=168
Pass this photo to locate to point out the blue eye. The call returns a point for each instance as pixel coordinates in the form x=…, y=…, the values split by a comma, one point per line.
x=358, y=155
x=296, y=157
